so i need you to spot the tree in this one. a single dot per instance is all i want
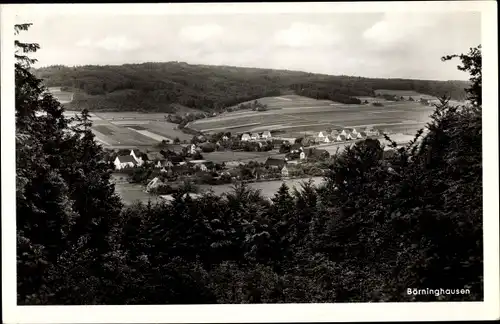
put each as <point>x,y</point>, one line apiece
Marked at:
<point>177,140</point>
<point>472,64</point>
<point>65,203</point>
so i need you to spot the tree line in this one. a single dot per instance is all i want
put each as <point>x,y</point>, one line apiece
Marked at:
<point>157,87</point>
<point>375,228</point>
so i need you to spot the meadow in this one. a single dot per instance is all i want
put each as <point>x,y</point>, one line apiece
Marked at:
<point>132,128</point>
<point>292,114</point>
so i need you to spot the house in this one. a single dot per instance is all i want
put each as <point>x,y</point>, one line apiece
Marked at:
<point>321,135</point>
<point>245,137</point>
<point>340,138</point>
<point>350,136</point>
<point>199,164</point>
<point>233,164</point>
<point>124,161</point>
<point>225,138</point>
<point>361,135</point>
<point>192,149</point>
<point>171,198</point>
<point>329,139</point>
<point>295,148</point>
<point>255,136</point>
<point>352,131</point>
<point>275,163</point>
<point>335,133</point>
<point>266,135</point>
<point>164,164</point>
<point>153,184</point>
<point>284,171</point>
<point>302,155</point>
<point>154,157</point>
<point>344,132</point>
<point>137,157</point>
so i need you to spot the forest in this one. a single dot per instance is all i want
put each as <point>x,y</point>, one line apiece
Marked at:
<point>156,87</point>
<point>377,227</point>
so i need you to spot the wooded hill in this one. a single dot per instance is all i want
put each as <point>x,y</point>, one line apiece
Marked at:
<point>154,87</point>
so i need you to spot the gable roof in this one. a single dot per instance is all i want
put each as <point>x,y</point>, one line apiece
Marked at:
<point>126,159</point>
<point>267,133</point>
<point>342,137</point>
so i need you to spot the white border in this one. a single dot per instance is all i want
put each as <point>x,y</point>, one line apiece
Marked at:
<point>256,313</point>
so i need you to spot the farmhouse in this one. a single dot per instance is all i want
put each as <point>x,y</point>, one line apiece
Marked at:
<point>335,133</point>
<point>295,148</point>
<point>171,198</point>
<point>153,157</point>
<point>233,164</point>
<point>137,157</point>
<point>245,137</point>
<point>266,135</point>
<point>340,138</point>
<point>321,135</point>
<point>164,164</point>
<point>353,131</point>
<point>199,164</point>
<point>124,161</point>
<point>255,136</point>
<point>284,171</point>
<point>275,163</point>
<point>329,139</point>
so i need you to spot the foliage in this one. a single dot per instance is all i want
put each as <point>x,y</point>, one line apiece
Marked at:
<point>178,88</point>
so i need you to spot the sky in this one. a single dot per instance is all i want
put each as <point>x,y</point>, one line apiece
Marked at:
<point>375,44</point>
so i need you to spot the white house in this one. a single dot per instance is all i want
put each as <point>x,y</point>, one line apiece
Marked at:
<point>255,136</point>
<point>302,155</point>
<point>192,149</point>
<point>350,136</point>
<point>329,139</point>
<point>245,137</point>
<point>225,138</point>
<point>340,138</point>
<point>266,135</point>
<point>124,161</point>
<point>284,171</point>
<point>165,164</point>
<point>353,131</point>
<point>321,135</point>
<point>344,133</point>
<point>138,159</point>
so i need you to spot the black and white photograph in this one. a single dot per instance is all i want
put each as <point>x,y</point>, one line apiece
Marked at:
<point>250,162</point>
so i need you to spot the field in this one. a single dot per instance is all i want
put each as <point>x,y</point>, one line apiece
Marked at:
<point>129,129</point>
<point>224,156</point>
<point>292,115</point>
<point>62,96</point>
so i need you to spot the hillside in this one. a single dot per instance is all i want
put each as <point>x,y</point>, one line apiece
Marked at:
<point>154,87</point>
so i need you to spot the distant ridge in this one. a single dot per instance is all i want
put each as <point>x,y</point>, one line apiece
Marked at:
<point>154,87</point>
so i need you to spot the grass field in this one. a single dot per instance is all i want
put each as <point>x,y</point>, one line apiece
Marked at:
<point>132,128</point>
<point>224,156</point>
<point>296,114</point>
<point>62,96</point>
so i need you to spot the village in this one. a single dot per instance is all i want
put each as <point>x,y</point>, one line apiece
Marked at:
<point>166,167</point>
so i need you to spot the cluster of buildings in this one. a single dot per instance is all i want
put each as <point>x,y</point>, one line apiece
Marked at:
<point>342,135</point>
<point>158,159</point>
<point>256,136</point>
